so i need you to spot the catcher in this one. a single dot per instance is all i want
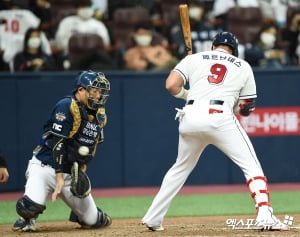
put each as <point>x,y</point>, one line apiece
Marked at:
<point>59,162</point>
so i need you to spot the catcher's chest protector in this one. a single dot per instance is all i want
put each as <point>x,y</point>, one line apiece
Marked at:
<point>86,132</point>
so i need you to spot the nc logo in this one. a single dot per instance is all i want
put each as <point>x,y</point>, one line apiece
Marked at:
<point>57,127</point>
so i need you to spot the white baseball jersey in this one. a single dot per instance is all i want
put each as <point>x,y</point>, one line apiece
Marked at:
<point>17,22</point>
<point>74,24</point>
<point>217,75</point>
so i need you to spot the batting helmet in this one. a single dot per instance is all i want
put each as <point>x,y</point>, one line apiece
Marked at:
<point>229,39</point>
<point>90,79</point>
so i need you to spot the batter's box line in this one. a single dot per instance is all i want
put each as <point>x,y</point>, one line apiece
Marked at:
<point>215,227</point>
<point>295,227</point>
<point>221,226</point>
<point>257,229</point>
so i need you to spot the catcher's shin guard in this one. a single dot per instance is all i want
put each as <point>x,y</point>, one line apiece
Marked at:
<point>259,191</point>
<point>102,220</point>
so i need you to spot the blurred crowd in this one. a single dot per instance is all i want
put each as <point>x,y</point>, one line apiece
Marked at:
<point>140,35</point>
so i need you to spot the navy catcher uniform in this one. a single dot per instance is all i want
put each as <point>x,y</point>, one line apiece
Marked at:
<point>76,121</point>
<point>221,85</point>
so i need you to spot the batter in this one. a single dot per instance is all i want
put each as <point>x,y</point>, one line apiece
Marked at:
<point>221,85</point>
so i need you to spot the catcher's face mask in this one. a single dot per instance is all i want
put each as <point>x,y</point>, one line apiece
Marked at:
<point>98,92</point>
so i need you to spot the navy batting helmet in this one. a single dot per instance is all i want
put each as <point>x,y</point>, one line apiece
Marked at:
<point>90,79</point>
<point>229,39</point>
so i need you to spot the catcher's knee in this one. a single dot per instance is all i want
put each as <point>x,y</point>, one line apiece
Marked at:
<point>27,208</point>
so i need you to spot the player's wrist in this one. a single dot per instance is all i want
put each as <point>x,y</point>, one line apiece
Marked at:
<point>182,94</point>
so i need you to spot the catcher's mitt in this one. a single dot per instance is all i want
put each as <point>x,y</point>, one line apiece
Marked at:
<point>80,183</point>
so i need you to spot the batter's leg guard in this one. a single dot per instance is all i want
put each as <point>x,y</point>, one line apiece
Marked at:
<point>259,191</point>
<point>265,219</point>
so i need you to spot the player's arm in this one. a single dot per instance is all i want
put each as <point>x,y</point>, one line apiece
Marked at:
<point>247,97</point>
<point>245,106</point>
<point>60,125</point>
<point>174,84</point>
<point>57,145</point>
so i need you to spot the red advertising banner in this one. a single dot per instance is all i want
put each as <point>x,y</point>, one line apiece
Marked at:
<point>272,121</point>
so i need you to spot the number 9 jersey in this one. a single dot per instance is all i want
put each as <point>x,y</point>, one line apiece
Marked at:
<point>217,75</point>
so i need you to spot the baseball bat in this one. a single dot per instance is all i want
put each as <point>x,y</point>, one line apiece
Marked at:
<point>185,27</point>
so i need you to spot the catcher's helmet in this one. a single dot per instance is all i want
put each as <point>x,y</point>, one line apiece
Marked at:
<point>229,39</point>
<point>90,79</point>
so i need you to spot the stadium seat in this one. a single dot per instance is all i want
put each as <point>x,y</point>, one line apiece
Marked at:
<point>124,21</point>
<point>244,22</point>
<point>170,11</point>
<point>81,44</point>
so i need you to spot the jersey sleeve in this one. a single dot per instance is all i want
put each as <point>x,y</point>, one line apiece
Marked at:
<point>63,32</point>
<point>58,128</point>
<point>103,33</point>
<point>61,119</point>
<point>249,89</point>
<point>182,68</point>
<point>32,20</point>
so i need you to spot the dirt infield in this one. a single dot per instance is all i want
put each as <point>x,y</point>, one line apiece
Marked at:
<point>181,226</point>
